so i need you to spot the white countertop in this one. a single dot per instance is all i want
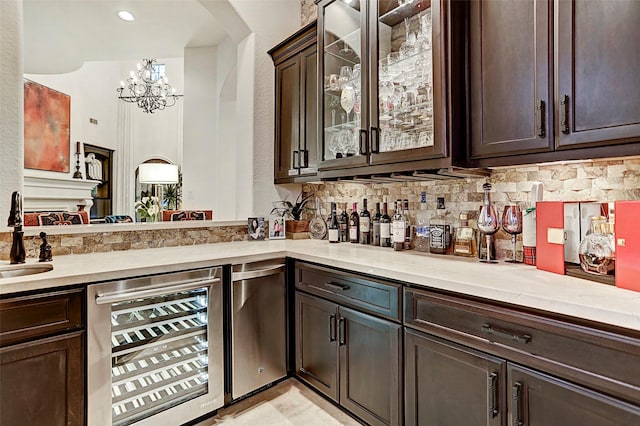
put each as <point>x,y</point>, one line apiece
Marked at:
<point>515,284</point>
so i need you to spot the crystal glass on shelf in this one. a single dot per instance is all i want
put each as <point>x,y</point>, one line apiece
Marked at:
<point>512,224</point>
<point>347,100</point>
<point>488,221</point>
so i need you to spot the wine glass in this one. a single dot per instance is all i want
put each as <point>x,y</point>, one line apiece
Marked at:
<point>347,99</point>
<point>488,225</point>
<point>512,224</point>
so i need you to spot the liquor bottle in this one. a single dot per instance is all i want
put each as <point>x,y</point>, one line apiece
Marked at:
<point>422,225</point>
<point>354,225</point>
<point>439,230</point>
<point>398,224</point>
<point>343,220</point>
<point>385,227</point>
<point>465,242</point>
<point>375,236</point>
<point>408,237</point>
<point>334,226</point>
<point>365,224</point>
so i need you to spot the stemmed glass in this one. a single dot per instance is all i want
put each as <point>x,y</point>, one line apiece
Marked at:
<point>347,99</point>
<point>488,225</point>
<point>512,224</point>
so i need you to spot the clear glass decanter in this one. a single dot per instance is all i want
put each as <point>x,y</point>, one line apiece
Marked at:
<point>596,253</point>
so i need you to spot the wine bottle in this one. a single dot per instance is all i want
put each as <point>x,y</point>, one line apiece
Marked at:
<point>398,224</point>
<point>365,224</point>
<point>334,226</point>
<point>354,225</point>
<point>343,220</point>
<point>385,227</point>
<point>408,237</point>
<point>375,236</point>
<point>422,225</point>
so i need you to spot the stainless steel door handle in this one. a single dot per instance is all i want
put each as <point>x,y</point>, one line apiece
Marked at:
<point>248,275</point>
<point>103,299</point>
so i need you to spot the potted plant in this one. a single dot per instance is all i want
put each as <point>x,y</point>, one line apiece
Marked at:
<point>293,212</point>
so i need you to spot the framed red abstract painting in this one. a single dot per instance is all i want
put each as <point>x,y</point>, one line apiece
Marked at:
<point>47,117</point>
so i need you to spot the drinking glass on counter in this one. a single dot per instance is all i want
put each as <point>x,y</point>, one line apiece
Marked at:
<point>512,224</point>
<point>488,221</point>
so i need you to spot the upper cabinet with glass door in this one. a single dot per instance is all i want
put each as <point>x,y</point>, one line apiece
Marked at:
<point>392,101</point>
<point>342,41</point>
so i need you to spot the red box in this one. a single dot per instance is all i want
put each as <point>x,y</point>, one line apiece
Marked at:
<point>627,230</point>
<point>560,226</point>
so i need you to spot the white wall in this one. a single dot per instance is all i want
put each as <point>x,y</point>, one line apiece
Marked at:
<point>11,107</point>
<point>200,158</point>
<point>270,22</point>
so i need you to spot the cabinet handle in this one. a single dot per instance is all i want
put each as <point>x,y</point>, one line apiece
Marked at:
<point>296,159</point>
<point>337,286</point>
<point>506,334</point>
<point>363,142</point>
<point>492,389</point>
<point>517,404</point>
<point>540,118</point>
<point>375,145</point>
<point>332,328</point>
<point>564,115</point>
<point>305,158</point>
<point>341,331</point>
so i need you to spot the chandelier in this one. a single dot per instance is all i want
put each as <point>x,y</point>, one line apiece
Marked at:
<point>147,88</point>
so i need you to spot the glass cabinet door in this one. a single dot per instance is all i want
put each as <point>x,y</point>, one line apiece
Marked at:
<point>403,111</point>
<point>344,96</point>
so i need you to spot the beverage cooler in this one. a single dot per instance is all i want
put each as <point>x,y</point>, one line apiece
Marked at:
<point>155,348</point>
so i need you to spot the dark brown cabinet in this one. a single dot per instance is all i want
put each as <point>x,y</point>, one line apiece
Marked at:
<point>350,354</point>
<point>511,91</point>
<point>449,384</point>
<point>352,357</point>
<point>539,399</point>
<point>598,58</point>
<point>296,80</point>
<point>42,359</point>
<point>549,77</point>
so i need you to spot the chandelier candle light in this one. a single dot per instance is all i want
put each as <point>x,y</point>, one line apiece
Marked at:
<point>146,89</point>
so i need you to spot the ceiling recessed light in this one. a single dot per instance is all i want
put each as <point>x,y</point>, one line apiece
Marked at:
<point>126,16</point>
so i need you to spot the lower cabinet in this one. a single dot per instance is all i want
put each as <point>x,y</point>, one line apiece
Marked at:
<point>42,359</point>
<point>539,399</point>
<point>352,357</point>
<point>449,384</point>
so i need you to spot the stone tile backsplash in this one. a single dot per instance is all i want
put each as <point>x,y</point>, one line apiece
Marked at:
<point>309,11</point>
<point>125,240</point>
<point>597,180</point>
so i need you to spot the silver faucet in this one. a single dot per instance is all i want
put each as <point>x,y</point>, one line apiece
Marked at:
<point>18,253</point>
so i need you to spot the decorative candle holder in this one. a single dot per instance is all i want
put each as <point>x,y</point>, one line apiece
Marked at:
<point>77,174</point>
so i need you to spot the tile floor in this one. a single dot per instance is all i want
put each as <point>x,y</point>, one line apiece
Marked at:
<point>289,403</point>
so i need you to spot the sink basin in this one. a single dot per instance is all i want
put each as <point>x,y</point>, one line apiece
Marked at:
<point>8,271</point>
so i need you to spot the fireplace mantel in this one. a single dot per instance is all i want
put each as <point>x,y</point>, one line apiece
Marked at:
<point>52,194</point>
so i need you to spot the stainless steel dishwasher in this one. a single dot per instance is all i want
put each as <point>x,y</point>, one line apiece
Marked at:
<point>258,329</point>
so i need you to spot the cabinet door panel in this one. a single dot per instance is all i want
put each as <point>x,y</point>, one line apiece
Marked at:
<point>41,382</point>
<point>598,60</point>
<point>510,77</point>
<point>448,384</point>
<point>288,116</point>
<point>316,344</point>
<point>370,369</point>
<point>309,111</point>
<point>540,400</point>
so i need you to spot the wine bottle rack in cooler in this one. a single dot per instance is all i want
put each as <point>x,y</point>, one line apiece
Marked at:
<point>159,353</point>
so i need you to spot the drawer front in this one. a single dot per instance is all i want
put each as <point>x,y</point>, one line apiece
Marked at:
<point>363,293</point>
<point>27,317</point>
<point>600,354</point>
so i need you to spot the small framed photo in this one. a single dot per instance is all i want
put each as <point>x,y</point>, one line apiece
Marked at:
<point>256,228</point>
<point>276,227</point>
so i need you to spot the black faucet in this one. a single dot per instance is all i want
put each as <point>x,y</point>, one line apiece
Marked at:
<point>18,253</point>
